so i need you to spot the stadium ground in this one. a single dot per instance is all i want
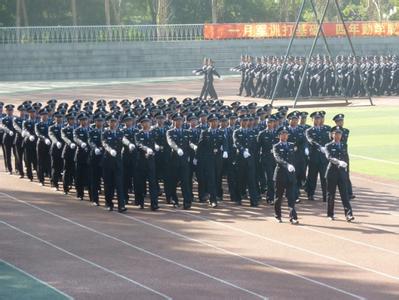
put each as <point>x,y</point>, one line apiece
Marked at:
<point>65,247</point>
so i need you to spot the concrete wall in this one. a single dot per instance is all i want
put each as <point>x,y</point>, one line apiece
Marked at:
<point>151,59</point>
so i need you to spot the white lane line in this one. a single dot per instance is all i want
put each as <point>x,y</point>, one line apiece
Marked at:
<point>85,260</point>
<point>249,233</point>
<point>37,279</point>
<point>243,257</point>
<point>375,159</point>
<point>137,247</point>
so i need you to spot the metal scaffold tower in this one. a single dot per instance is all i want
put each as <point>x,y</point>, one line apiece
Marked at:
<point>320,31</point>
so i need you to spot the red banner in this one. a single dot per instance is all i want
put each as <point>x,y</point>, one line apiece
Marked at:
<point>284,30</point>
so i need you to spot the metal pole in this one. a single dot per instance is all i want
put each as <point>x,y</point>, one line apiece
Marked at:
<point>348,37</point>
<point>325,43</point>
<point>310,54</point>
<point>288,50</point>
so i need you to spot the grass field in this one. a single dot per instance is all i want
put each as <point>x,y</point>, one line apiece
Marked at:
<point>373,139</point>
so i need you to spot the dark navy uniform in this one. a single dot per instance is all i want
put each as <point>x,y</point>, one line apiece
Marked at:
<point>18,143</point>
<point>129,159</point>
<point>194,139</point>
<point>68,154</point>
<point>232,167</point>
<point>29,145</point>
<point>162,155</point>
<point>285,180</point>
<point>337,175</point>
<point>56,153</point>
<point>145,143</point>
<point>81,139</point>
<point>266,139</point>
<point>298,138</point>
<point>8,140</point>
<point>245,140</point>
<point>42,150</point>
<point>212,144</point>
<point>179,139</point>
<point>317,137</point>
<point>113,168</point>
<point>95,160</point>
<point>2,115</point>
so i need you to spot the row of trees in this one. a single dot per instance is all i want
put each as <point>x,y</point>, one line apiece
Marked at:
<point>103,12</point>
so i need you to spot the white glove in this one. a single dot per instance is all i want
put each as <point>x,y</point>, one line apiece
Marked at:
<point>47,141</point>
<point>323,149</point>
<point>194,71</point>
<point>156,147</point>
<point>59,145</point>
<point>307,151</point>
<point>113,152</point>
<point>290,168</point>
<point>195,161</point>
<point>73,146</point>
<point>246,153</point>
<point>194,147</point>
<point>220,78</point>
<point>83,145</point>
<point>180,152</point>
<point>225,154</point>
<point>31,138</point>
<point>11,133</point>
<point>131,147</point>
<point>97,151</point>
<point>150,151</point>
<point>342,164</point>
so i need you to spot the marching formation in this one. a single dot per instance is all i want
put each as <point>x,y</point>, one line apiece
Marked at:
<point>345,76</point>
<point>148,148</point>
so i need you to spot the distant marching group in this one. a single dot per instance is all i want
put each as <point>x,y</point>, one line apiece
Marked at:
<point>346,76</point>
<point>133,146</point>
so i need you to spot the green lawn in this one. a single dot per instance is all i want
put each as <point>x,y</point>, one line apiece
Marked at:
<point>16,284</point>
<point>374,134</point>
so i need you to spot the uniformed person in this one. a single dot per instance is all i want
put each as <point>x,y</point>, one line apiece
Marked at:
<point>29,142</point>
<point>161,156</point>
<point>129,153</point>
<point>317,136</point>
<point>68,152</point>
<point>213,146</point>
<point>81,139</point>
<point>18,141</point>
<point>95,157</point>
<point>245,141</point>
<point>337,174</point>
<point>43,146</point>
<point>56,149</point>
<point>339,121</point>
<point>112,141</point>
<point>179,142</point>
<point>8,136</point>
<point>298,138</point>
<point>284,175</point>
<point>145,143</point>
<point>2,115</point>
<point>266,139</point>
